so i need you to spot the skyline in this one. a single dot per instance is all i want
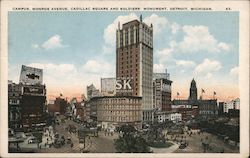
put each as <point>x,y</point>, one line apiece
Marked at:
<point>177,38</point>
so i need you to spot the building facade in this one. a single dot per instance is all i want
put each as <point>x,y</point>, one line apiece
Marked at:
<point>58,106</point>
<point>114,111</point>
<point>194,107</point>
<point>162,92</point>
<point>233,104</point>
<point>33,106</point>
<point>92,92</point>
<point>14,104</point>
<point>134,59</point>
<point>163,116</point>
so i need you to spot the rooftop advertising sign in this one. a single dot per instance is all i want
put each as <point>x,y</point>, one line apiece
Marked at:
<point>31,76</point>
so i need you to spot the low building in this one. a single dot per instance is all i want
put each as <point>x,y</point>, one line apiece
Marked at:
<point>193,108</point>
<point>163,116</point>
<point>92,92</point>
<point>233,104</point>
<point>221,108</point>
<point>113,111</point>
<point>58,106</point>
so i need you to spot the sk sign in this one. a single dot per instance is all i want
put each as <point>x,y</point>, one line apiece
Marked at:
<point>124,85</point>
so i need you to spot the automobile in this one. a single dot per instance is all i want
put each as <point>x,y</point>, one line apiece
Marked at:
<point>32,140</point>
<point>28,134</point>
<point>58,143</point>
<point>183,145</point>
<point>69,140</point>
<point>56,135</point>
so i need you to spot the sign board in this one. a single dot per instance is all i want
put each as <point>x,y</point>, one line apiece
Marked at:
<point>31,76</point>
<point>108,86</point>
<point>33,91</point>
<point>124,84</point>
<point>166,87</point>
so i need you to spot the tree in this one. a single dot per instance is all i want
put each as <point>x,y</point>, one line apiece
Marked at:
<point>130,141</point>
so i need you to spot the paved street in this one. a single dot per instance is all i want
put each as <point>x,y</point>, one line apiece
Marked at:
<point>100,144</point>
<point>104,143</point>
<point>195,144</point>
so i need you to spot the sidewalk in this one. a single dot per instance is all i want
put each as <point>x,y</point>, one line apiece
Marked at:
<point>170,149</point>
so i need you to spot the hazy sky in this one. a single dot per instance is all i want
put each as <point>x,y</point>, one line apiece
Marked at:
<point>76,49</point>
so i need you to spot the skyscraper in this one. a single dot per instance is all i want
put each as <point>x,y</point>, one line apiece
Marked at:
<point>193,91</point>
<point>134,59</point>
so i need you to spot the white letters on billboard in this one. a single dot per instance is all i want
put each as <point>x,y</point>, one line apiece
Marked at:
<point>124,85</point>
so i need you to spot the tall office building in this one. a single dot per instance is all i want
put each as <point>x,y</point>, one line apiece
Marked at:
<point>162,91</point>
<point>134,60</point>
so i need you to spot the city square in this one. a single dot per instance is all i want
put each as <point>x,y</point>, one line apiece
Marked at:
<point>136,108</point>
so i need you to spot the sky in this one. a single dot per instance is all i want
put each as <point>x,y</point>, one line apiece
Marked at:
<point>76,49</point>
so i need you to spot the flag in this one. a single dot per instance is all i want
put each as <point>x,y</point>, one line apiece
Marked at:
<point>202,91</point>
<point>178,93</point>
<point>214,93</point>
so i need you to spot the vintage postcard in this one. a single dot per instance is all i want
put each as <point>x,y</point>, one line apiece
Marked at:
<point>111,78</point>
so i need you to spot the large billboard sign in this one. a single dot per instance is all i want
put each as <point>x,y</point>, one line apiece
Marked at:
<point>124,84</point>
<point>108,86</point>
<point>31,76</point>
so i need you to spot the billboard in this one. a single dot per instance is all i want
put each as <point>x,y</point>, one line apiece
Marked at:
<point>36,91</point>
<point>108,86</point>
<point>31,76</point>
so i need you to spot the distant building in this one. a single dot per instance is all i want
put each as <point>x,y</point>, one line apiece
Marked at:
<point>114,111</point>
<point>221,108</point>
<point>14,104</point>
<point>233,104</point>
<point>162,92</point>
<point>108,86</point>
<point>193,91</point>
<point>163,116</point>
<point>165,75</point>
<point>58,106</point>
<point>185,108</point>
<point>80,111</point>
<point>92,92</point>
<point>204,108</point>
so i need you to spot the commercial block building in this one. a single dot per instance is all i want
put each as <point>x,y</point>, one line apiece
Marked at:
<point>114,111</point>
<point>233,104</point>
<point>14,104</point>
<point>162,91</point>
<point>27,100</point>
<point>194,107</point>
<point>92,91</point>
<point>134,59</point>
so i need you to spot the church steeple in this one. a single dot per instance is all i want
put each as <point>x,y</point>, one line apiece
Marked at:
<point>193,91</point>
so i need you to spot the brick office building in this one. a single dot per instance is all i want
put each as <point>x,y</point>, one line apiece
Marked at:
<point>134,59</point>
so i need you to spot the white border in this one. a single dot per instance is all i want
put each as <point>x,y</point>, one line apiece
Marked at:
<point>241,6</point>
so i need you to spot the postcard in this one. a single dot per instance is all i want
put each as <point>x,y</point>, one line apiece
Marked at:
<point>124,78</point>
